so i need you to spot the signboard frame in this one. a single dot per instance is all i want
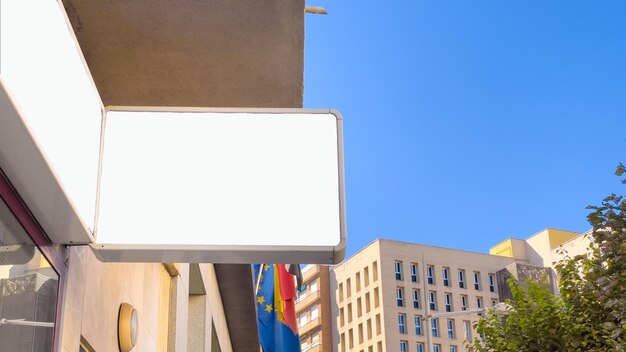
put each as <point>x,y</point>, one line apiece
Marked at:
<point>232,253</point>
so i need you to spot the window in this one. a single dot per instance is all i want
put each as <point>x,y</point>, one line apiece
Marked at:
<point>450,323</point>
<point>369,329</point>
<point>375,271</point>
<point>398,269</point>
<point>463,302</point>
<point>402,323</point>
<point>376,298</point>
<point>420,347</point>
<point>400,296</point>
<point>349,312</point>
<point>462,278</point>
<point>29,281</point>
<point>436,348</point>
<point>360,333</point>
<point>448,301</point>
<point>476,281</point>
<point>404,346</point>
<point>479,302</point>
<point>446,276</point>
<point>418,325</point>
<point>413,272</point>
<point>359,310</point>
<point>302,319</point>
<point>358,282</point>
<point>366,276</point>
<point>314,312</point>
<point>340,292</point>
<point>377,324</point>
<point>435,327</point>
<point>453,349</point>
<point>342,342</point>
<point>467,330</point>
<point>315,338</point>
<point>341,322</point>
<point>350,339</point>
<point>416,299</point>
<point>348,289</point>
<point>430,272</point>
<point>432,300</point>
<point>367,303</point>
<point>492,283</point>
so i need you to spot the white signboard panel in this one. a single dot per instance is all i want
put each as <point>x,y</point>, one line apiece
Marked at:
<point>221,186</point>
<point>49,91</point>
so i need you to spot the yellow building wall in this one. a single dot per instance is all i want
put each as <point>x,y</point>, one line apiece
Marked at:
<point>558,237</point>
<point>503,249</point>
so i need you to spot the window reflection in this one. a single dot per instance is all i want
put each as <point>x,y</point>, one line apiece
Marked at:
<point>28,290</point>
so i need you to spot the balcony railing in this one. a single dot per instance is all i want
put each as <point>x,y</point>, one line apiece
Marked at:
<point>303,296</point>
<point>307,326</point>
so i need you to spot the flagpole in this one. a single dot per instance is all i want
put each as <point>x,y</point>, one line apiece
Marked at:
<point>258,280</point>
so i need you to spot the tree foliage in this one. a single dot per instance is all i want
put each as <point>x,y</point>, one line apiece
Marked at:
<point>533,321</point>
<point>594,285</point>
<point>589,314</point>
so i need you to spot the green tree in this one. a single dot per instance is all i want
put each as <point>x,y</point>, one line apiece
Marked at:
<point>589,314</point>
<point>594,285</point>
<point>534,320</point>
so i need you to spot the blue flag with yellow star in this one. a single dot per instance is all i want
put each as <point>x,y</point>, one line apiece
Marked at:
<point>276,315</point>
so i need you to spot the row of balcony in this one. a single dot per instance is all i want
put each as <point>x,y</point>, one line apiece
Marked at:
<point>306,299</point>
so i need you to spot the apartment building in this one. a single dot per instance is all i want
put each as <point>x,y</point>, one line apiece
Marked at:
<point>385,294</point>
<point>399,296</point>
<point>313,310</point>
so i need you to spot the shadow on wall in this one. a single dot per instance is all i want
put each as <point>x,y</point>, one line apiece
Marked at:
<point>522,272</point>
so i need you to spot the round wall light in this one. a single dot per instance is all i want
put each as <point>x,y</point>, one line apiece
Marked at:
<point>127,327</point>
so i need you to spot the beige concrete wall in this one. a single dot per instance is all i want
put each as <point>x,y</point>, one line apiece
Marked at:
<point>94,293</point>
<point>575,246</point>
<point>439,258</point>
<point>95,290</point>
<point>216,308</point>
<point>518,248</point>
<point>340,302</point>
<point>539,247</point>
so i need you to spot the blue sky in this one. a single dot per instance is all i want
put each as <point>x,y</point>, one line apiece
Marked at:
<point>467,122</point>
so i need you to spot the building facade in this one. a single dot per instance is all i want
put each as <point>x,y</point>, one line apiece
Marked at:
<point>313,310</point>
<point>398,296</point>
<point>537,255</point>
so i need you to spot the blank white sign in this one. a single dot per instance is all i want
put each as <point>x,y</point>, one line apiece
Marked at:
<point>221,179</point>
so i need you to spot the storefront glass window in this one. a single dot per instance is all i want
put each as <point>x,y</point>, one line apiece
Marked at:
<point>28,290</point>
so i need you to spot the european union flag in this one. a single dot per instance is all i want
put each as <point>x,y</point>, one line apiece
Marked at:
<point>276,312</point>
